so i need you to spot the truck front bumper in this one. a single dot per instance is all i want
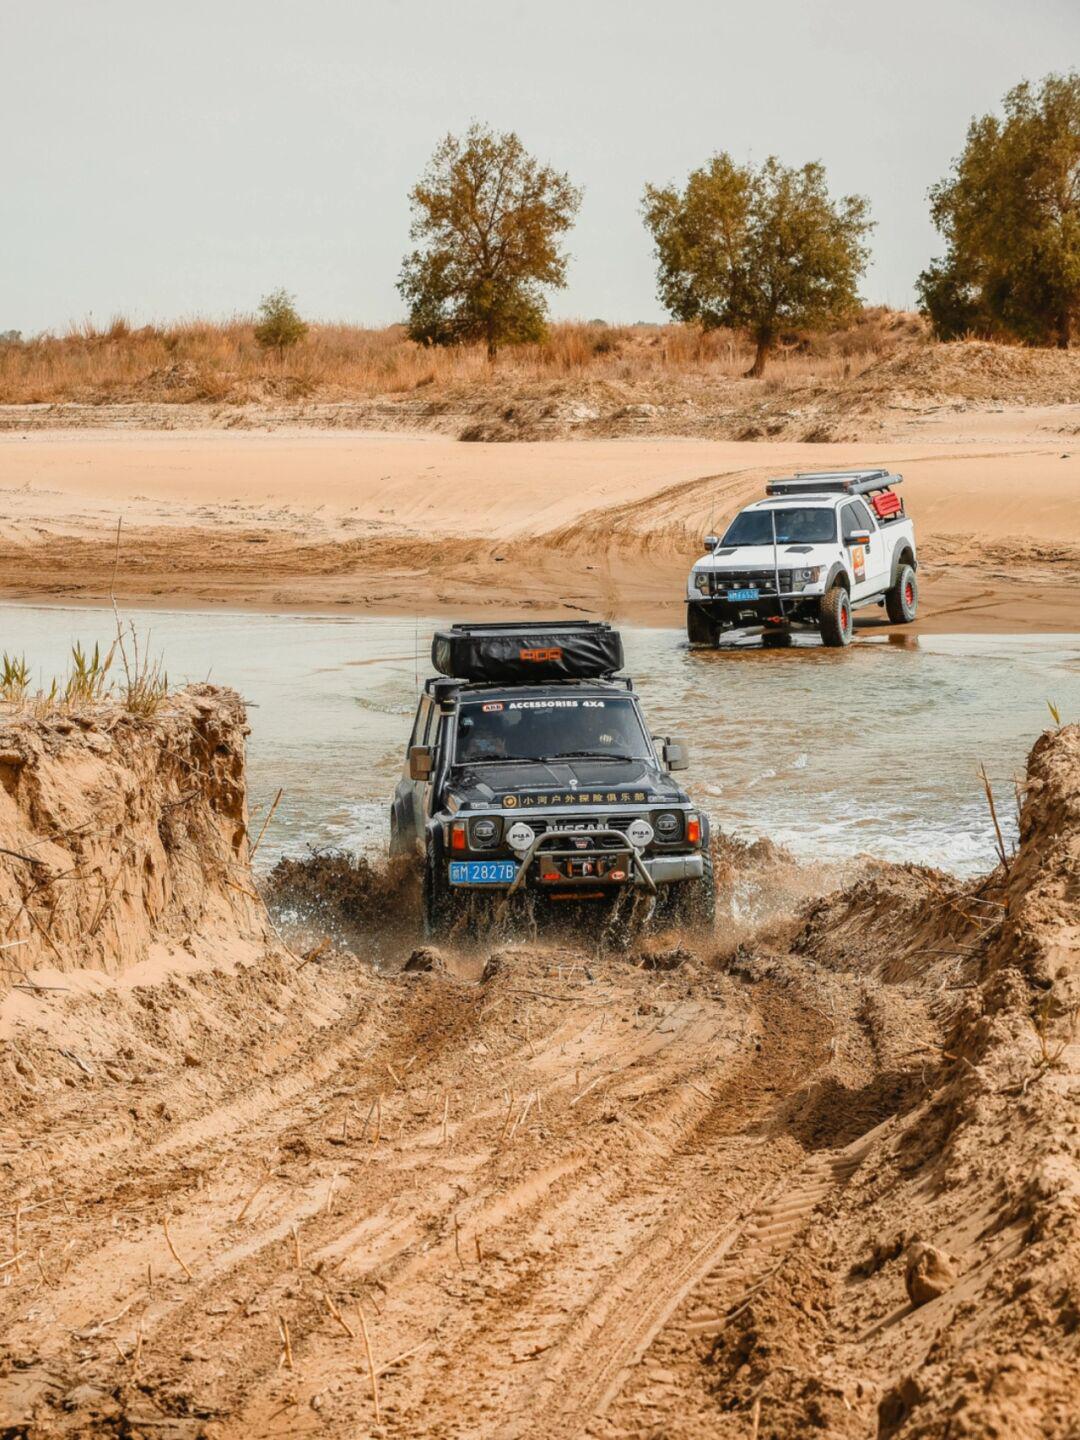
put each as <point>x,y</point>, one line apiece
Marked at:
<point>554,861</point>
<point>732,614</point>
<point>666,868</point>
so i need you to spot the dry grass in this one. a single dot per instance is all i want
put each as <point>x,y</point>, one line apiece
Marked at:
<point>221,363</point>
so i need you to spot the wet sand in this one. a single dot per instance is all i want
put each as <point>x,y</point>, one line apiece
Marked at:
<point>407,523</point>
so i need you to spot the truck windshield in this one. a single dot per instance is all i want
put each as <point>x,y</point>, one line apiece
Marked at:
<point>805,525</point>
<point>550,729</point>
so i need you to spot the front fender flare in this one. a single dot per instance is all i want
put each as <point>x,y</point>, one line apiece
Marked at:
<point>838,575</point>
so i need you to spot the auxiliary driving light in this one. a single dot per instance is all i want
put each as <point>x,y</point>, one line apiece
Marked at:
<point>639,833</point>
<point>520,836</point>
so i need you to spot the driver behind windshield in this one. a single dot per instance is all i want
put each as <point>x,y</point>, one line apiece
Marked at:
<point>815,525</point>
<point>541,730</point>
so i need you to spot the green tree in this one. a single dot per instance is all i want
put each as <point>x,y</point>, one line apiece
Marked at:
<point>487,219</point>
<point>1010,215</point>
<point>762,249</point>
<point>280,326</point>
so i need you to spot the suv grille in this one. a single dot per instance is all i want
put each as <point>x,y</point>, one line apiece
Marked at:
<point>721,581</point>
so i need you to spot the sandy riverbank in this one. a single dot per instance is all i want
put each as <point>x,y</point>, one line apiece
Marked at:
<point>395,523</point>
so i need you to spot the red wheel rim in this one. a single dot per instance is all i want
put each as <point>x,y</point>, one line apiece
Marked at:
<point>844,616</point>
<point>909,595</point>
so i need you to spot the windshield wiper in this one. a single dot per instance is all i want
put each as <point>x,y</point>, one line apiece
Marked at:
<point>592,755</point>
<point>505,760</point>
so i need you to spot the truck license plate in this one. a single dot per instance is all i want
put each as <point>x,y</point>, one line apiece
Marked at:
<point>483,872</point>
<point>744,594</point>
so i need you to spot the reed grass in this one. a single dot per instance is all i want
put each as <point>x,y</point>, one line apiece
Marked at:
<point>222,363</point>
<point>91,681</point>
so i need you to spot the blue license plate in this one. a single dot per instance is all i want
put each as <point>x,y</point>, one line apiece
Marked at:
<point>744,594</point>
<point>483,872</point>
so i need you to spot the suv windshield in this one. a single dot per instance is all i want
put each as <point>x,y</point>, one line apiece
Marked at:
<point>806,525</point>
<point>550,729</point>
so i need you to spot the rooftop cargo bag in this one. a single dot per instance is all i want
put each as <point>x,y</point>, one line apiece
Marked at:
<point>524,653</point>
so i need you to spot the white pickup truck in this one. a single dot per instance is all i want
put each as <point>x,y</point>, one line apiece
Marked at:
<point>817,548</point>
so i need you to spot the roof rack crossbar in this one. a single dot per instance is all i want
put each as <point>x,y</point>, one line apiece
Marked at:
<point>826,482</point>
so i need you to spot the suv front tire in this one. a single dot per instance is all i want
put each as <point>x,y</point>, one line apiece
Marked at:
<point>834,620</point>
<point>700,629</point>
<point>438,901</point>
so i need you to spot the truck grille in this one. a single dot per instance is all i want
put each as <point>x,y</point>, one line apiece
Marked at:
<point>721,581</point>
<point>568,822</point>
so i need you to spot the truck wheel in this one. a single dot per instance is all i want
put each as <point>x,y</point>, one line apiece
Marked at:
<point>690,904</point>
<point>902,600</point>
<point>700,630</point>
<point>437,900</point>
<point>834,619</point>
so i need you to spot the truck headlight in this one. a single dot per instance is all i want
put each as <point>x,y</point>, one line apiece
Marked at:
<point>701,581</point>
<point>484,832</point>
<point>808,577</point>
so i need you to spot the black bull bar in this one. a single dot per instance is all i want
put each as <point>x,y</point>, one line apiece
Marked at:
<point>613,845</point>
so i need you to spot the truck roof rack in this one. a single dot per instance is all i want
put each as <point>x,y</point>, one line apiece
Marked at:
<point>528,652</point>
<point>831,482</point>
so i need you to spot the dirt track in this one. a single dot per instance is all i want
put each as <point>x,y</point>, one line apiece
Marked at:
<point>612,1139</point>
<point>669,1192</point>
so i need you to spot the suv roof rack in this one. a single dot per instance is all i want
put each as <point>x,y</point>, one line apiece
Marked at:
<point>503,627</point>
<point>523,652</point>
<point>844,482</point>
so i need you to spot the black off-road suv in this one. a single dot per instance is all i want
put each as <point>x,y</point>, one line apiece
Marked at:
<point>530,770</point>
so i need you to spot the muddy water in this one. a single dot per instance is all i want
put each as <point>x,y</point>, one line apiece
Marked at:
<point>874,749</point>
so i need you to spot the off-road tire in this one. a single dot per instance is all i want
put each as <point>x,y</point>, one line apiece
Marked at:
<point>700,630</point>
<point>834,619</point>
<point>689,904</point>
<point>776,639</point>
<point>902,600</point>
<point>438,903</point>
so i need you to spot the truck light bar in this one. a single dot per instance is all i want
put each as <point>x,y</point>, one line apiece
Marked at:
<point>844,482</point>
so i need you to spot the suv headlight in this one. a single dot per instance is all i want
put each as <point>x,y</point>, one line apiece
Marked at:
<point>701,581</point>
<point>808,577</point>
<point>668,825</point>
<point>483,833</point>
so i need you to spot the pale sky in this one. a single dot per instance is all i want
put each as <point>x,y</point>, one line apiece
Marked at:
<point>164,160</point>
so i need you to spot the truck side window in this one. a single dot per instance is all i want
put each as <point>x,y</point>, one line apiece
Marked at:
<point>866,520</point>
<point>849,522</point>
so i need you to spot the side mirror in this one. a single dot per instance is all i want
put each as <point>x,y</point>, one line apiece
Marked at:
<point>420,762</point>
<point>676,756</point>
<point>711,542</point>
<point>858,537</point>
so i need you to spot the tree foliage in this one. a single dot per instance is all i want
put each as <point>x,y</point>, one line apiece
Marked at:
<point>487,219</point>
<point>763,249</point>
<point>280,325</point>
<point>1010,214</point>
